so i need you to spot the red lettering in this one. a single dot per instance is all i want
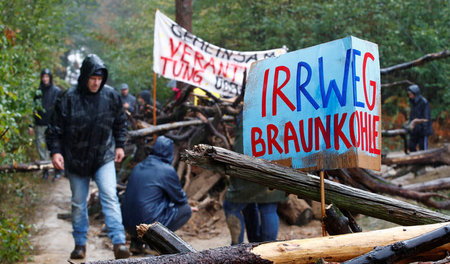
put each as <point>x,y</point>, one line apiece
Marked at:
<point>310,135</point>
<point>277,89</point>
<point>223,70</point>
<point>165,63</point>
<point>256,141</point>
<point>211,65</point>
<point>352,129</point>
<point>172,49</point>
<point>338,131</point>
<point>272,139</point>
<point>264,95</point>
<point>372,83</point>
<point>198,58</point>
<point>370,134</point>
<point>318,125</point>
<point>375,135</point>
<point>363,129</point>
<point>290,134</point>
<point>186,52</point>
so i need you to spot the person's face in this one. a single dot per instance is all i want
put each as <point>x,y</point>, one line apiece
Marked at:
<point>45,79</point>
<point>410,95</point>
<point>94,83</point>
<point>141,100</point>
<point>124,92</point>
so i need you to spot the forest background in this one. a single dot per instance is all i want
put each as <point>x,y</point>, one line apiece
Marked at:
<point>37,34</point>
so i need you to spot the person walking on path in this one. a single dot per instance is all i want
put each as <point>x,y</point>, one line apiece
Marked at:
<point>86,135</point>
<point>420,109</point>
<point>44,101</point>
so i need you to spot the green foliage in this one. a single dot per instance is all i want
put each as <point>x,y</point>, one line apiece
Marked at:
<point>31,38</point>
<point>14,242</point>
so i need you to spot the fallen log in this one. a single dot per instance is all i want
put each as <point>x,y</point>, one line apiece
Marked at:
<point>417,62</point>
<point>403,251</point>
<point>335,221</point>
<point>331,248</point>
<point>233,254</point>
<point>165,127</point>
<point>434,185</point>
<point>162,240</point>
<point>431,156</point>
<point>345,247</point>
<point>33,166</point>
<point>307,186</point>
<point>363,178</point>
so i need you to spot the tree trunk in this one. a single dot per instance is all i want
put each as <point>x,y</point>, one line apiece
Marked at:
<point>165,127</point>
<point>38,165</point>
<point>162,240</point>
<point>308,186</point>
<point>345,247</point>
<point>431,156</point>
<point>305,251</point>
<point>404,250</point>
<point>434,185</point>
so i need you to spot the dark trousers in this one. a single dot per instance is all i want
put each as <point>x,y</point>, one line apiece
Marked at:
<point>422,141</point>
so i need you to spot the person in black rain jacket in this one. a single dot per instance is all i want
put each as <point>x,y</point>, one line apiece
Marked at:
<point>420,109</point>
<point>86,135</point>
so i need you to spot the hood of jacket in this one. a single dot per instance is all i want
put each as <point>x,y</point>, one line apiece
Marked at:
<point>49,73</point>
<point>91,64</point>
<point>163,148</point>
<point>416,91</point>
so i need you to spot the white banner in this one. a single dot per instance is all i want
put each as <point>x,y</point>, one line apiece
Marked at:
<point>182,56</point>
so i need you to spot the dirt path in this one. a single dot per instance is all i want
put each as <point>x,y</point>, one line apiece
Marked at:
<point>53,241</point>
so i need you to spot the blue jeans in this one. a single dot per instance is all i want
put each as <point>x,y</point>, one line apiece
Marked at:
<point>260,220</point>
<point>105,178</point>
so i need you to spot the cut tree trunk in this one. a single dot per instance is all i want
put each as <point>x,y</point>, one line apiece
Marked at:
<point>431,156</point>
<point>37,165</point>
<point>170,126</point>
<point>363,178</point>
<point>345,247</point>
<point>295,211</point>
<point>308,186</point>
<point>305,251</point>
<point>336,223</point>
<point>162,240</point>
<point>434,185</point>
<point>403,251</point>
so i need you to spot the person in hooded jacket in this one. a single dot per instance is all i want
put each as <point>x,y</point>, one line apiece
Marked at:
<point>154,193</point>
<point>86,135</point>
<point>44,101</point>
<point>420,109</point>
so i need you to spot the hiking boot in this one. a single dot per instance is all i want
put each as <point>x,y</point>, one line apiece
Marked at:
<point>121,251</point>
<point>79,252</point>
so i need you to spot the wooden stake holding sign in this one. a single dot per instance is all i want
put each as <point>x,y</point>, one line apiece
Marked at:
<point>317,108</point>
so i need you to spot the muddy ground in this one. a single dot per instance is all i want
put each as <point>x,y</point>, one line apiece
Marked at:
<point>52,239</point>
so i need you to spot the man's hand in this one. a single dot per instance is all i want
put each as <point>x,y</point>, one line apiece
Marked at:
<point>126,105</point>
<point>120,154</point>
<point>58,161</point>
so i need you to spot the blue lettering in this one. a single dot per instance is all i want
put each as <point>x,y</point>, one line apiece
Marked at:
<point>301,87</point>
<point>355,79</point>
<point>342,98</point>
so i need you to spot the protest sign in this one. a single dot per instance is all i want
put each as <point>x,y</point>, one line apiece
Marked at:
<point>316,108</point>
<point>182,56</point>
